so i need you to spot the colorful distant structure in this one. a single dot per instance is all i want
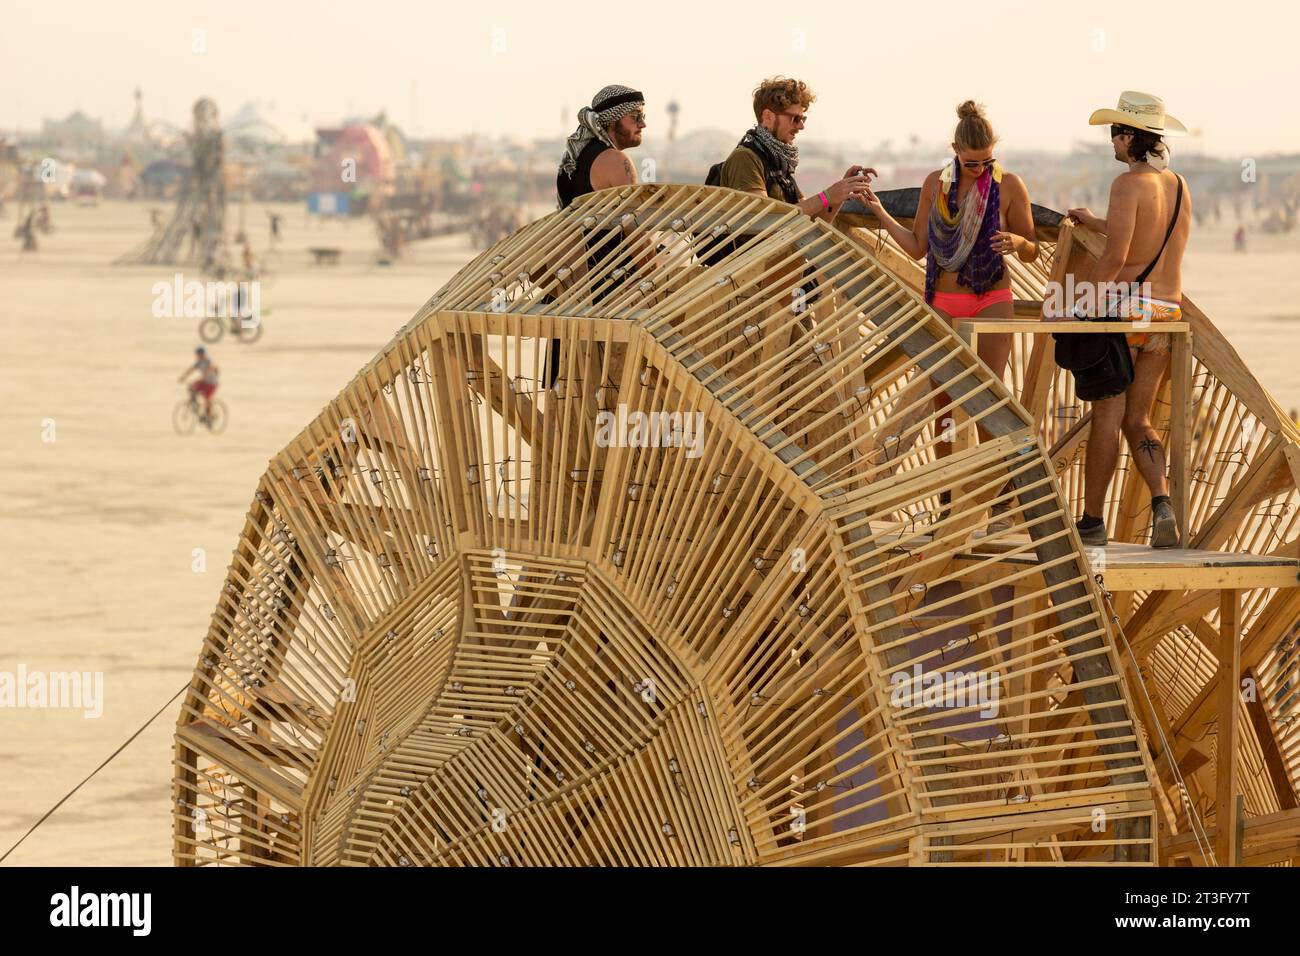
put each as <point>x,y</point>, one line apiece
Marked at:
<point>356,164</point>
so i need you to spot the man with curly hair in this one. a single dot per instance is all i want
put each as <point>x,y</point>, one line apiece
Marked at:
<point>765,159</point>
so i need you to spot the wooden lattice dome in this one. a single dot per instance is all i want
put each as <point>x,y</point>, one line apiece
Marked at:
<point>496,605</point>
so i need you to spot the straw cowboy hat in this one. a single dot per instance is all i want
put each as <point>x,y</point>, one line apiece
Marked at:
<point>1141,111</point>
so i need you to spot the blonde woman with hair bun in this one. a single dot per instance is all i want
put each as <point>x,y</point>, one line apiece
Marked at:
<point>971,214</point>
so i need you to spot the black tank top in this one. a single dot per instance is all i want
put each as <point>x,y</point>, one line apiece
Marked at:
<point>570,189</point>
<point>601,242</point>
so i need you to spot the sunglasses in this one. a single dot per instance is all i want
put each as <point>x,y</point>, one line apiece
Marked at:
<point>637,117</point>
<point>979,163</point>
<point>1120,131</point>
<point>798,118</point>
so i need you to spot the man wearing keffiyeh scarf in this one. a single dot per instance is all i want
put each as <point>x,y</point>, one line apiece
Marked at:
<point>594,159</point>
<point>593,155</point>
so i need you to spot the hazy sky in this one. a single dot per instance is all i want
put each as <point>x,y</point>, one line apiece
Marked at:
<point>881,70</point>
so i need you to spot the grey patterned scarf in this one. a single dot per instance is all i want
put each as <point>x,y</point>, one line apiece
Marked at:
<point>785,157</point>
<point>608,106</point>
<point>779,160</point>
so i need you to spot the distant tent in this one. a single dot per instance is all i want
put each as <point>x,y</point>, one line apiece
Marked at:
<point>88,179</point>
<point>260,125</point>
<point>164,172</point>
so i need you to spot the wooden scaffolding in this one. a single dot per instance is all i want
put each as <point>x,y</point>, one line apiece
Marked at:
<point>629,550</point>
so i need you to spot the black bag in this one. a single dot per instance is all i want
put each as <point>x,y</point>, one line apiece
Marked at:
<point>1102,364</point>
<point>713,250</point>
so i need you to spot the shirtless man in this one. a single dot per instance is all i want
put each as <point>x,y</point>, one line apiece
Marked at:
<point>1143,202</point>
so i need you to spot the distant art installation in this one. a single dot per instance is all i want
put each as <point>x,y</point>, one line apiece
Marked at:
<point>196,231</point>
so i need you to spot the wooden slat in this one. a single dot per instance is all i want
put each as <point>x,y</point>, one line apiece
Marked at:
<point>206,740</point>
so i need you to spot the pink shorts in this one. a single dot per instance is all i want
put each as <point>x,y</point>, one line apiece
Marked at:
<point>963,305</point>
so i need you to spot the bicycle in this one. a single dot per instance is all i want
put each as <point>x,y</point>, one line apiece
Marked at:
<point>223,307</point>
<point>189,413</point>
<point>213,328</point>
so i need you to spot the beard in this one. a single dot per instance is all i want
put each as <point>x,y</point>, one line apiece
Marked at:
<point>626,140</point>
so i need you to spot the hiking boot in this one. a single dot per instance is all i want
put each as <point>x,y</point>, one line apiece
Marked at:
<point>1164,526</point>
<point>1094,537</point>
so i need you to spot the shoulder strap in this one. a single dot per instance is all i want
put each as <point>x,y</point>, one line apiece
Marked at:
<point>1173,220</point>
<point>770,176</point>
<point>785,184</point>
<point>760,154</point>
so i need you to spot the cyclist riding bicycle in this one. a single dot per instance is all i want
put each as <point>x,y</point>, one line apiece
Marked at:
<point>206,384</point>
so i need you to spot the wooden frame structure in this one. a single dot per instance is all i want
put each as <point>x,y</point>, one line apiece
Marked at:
<point>629,550</point>
<point>1234,466</point>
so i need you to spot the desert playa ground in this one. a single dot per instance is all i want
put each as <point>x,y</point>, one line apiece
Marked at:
<point>100,525</point>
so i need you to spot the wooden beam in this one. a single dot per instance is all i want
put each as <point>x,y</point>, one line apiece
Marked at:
<point>1268,745</point>
<point>1180,425</point>
<point>210,741</point>
<point>1282,608</point>
<point>1225,773</point>
<point>1265,833</point>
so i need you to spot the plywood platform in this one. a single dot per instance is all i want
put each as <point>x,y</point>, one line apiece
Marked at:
<point>1137,567</point>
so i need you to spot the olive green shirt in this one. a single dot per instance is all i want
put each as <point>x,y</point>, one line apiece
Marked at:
<point>743,170</point>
